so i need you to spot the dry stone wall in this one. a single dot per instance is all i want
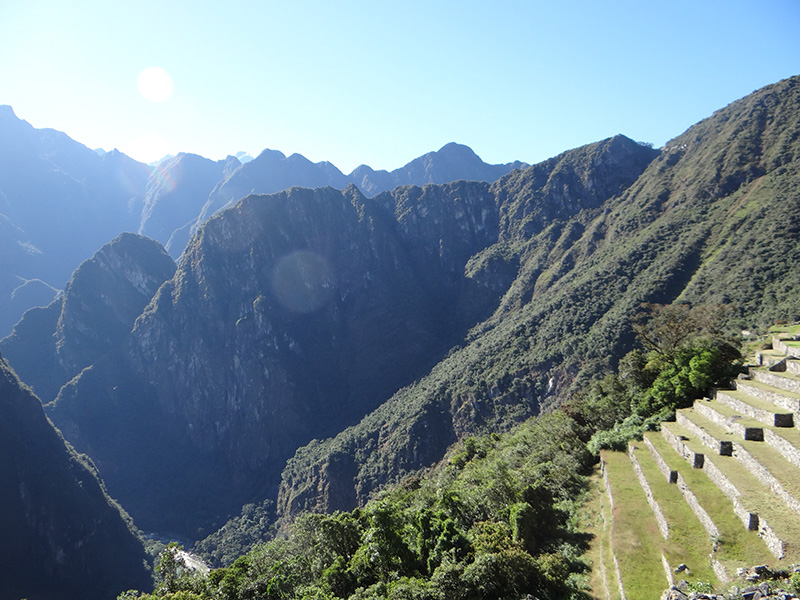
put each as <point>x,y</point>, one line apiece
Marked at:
<point>663,526</point>
<point>748,477</point>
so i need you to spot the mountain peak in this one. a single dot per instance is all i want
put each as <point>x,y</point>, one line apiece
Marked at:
<point>453,148</point>
<point>7,112</point>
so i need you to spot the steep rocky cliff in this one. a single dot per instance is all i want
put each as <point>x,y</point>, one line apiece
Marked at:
<point>51,345</point>
<point>713,218</point>
<point>272,171</point>
<point>176,192</point>
<point>62,536</point>
<point>289,318</point>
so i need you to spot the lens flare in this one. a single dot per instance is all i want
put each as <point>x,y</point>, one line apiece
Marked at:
<point>166,182</point>
<point>303,281</point>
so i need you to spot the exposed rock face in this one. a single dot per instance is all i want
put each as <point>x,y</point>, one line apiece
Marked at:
<point>62,537</point>
<point>272,172</point>
<point>176,192</point>
<point>51,345</point>
<point>289,318</point>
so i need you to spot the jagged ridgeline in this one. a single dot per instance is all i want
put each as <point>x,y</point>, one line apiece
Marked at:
<point>60,201</point>
<point>470,306</point>
<point>62,536</point>
<point>290,317</point>
<point>715,217</point>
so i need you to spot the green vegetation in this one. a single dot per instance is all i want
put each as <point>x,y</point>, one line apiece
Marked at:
<point>496,522</point>
<point>635,535</point>
<point>688,354</point>
<point>503,518</point>
<point>793,329</point>
<point>712,220</point>
<point>688,541</point>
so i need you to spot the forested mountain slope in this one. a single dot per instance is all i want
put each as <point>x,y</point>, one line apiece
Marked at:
<point>62,536</point>
<point>289,318</point>
<point>470,305</point>
<point>714,218</point>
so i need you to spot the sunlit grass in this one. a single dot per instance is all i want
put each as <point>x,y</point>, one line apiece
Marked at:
<point>636,539</point>
<point>736,546</point>
<point>790,329</point>
<point>688,542</point>
<point>755,498</point>
<point>595,519</point>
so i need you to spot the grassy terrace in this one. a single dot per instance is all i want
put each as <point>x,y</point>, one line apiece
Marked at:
<point>688,541</point>
<point>791,435</point>
<point>752,383</point>
<point>736,547</point>
<point>793,329</point>
<point>636,538</point>
<point>718,431</point>
<point>755,497</point>
<point>788,376</point>
<point>595,519</point>
<point>785,472</point>
<point>755,402</point>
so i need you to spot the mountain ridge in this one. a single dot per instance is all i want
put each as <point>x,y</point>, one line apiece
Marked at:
<point>281,301</point>
<point>60,201</point>
<point>63,537</point>
<point>424,315</point>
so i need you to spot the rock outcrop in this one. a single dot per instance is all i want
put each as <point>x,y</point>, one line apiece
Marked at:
<point>90,321</point>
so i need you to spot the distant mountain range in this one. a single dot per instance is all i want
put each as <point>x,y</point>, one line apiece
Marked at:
<point>60,201</point>
<point>313,346</point>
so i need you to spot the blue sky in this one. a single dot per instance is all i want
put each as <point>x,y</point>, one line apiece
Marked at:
<point>381,83</point>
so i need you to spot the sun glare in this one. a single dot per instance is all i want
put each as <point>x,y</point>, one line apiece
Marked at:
<point>148,148</point>
<point>155,84</point>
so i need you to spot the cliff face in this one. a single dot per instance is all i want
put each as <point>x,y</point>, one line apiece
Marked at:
<point>62,537</point>
<point>90,321</point>
<point>289,318</point>
<point>177,189</point>
<point>713,218</point>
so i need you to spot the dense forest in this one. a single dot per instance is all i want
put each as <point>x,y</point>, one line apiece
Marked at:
<point>334,394</point>
<point>501,517</point>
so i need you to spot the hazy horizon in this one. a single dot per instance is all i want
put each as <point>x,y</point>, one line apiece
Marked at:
<point>381,84</point>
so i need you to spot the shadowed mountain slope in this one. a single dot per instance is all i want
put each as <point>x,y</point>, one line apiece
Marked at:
<point>51,345</point>
<point>272,172</point>
<point>59,202</point>
<point>289,318</point>
<point>176,192</point>
<point>62,536</point>
<point>713,218</point>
